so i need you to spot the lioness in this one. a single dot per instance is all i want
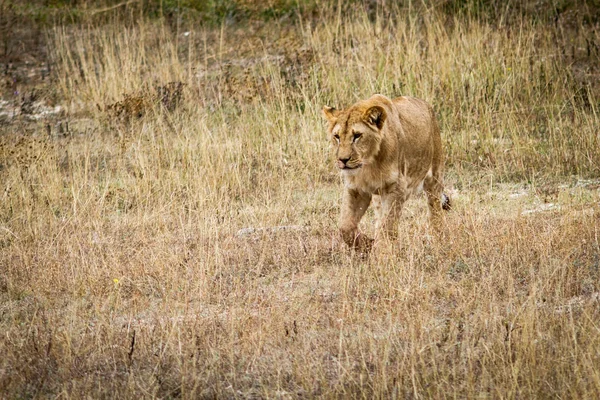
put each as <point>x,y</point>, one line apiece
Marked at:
<point>385,148</point>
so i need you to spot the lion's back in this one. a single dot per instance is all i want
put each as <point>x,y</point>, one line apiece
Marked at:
<point>417,119</point>
<point>414,112</point>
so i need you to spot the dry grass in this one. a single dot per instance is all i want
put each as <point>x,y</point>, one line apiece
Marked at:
<point>123,275</point>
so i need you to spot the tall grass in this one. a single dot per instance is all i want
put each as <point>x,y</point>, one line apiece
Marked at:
<point>123,273</point>
<point>509,96</point>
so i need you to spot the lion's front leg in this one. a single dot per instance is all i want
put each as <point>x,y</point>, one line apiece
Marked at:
<point>391,210</point>
<point>354,206</point>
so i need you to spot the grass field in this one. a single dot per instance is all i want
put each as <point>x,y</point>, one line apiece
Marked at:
<point>169,206</point>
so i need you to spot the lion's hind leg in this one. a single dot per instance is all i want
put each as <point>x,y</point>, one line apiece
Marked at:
<point>436,199</point>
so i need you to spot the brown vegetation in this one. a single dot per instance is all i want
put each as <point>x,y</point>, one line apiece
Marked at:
<point>122,273</point>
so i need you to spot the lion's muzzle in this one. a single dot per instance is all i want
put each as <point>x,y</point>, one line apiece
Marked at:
<point>347,164</point>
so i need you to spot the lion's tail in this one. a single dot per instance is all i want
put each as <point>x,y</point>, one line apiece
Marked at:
<point>446,203</point>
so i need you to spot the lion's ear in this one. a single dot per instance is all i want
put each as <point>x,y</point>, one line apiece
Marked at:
<point>375,116</point>
<point>330,113</point>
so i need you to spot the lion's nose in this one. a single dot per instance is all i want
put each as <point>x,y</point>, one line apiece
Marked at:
<point>344,160</point>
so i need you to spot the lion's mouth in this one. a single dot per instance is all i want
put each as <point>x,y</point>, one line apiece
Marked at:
<point>349,167</point>
<point>348,164</point>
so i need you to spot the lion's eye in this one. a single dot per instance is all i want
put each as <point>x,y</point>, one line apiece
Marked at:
<point>357,136</point>
<point>337,137</point>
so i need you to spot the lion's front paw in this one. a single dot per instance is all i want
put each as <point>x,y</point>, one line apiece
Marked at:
<point>356,240</point>
<point>363,244</point>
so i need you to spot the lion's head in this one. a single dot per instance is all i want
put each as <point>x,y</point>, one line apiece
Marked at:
<point>356,134</point>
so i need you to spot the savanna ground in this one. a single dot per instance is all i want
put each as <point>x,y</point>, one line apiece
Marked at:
<point>152,151</point>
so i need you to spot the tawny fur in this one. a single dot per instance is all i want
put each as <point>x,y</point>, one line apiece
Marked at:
<point>386,149</point>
